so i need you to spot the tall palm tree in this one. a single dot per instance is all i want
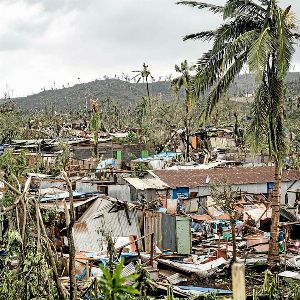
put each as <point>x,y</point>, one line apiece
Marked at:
<point>185,81</point>
<point>95,124</point>
<point>261,35</point>
<point>144,75</point>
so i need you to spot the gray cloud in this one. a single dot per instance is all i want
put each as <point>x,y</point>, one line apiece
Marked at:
<point>42,41</point>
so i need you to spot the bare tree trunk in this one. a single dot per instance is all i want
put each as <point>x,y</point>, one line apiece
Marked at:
<point>234,252</point>
<point>262,157</point>
<point>148,91</point>
<point>186,121</point>
<point>52,259</point>
<point>148,94</point>
<point>73,288</point>
<point>273,258</point>
<point>96,142</point>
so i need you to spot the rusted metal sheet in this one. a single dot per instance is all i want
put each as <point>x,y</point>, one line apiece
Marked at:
<point>152,224</point>
<point>236,175</point>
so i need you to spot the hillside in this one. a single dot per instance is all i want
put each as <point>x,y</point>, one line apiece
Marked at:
<point>76,97</point>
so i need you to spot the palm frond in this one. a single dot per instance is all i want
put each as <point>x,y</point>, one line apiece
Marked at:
<point>284,44</point>
<point>223,84</point>
<point>204,36</point>
<point>234,8</point>
<point>278,143</point>
<point>201,5</point>
<point>258,129</point>
<point>296,35</point>
<point>213,63</point>
<point>259,53</point>
<point>210,69</point>
<point>177,68</point>
<point>177,83</point>
<point>240,44</point>
<point>231,30</point>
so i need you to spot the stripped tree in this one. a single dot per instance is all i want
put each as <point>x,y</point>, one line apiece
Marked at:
<point>226,199</point>
<point>95,124</point>
<point>185,81</point>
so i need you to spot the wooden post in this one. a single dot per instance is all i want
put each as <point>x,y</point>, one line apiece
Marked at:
<point>70,223</point>
<point>238,281</point>
<point>286,239</point>
<point>152,248</point>
<point>227,248</point>
<point>219,243</point>
<point>52,259</point>
<point>87,266</point>
<point>137,249</point>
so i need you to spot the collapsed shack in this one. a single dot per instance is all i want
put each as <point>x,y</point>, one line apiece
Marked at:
<point>106,217</point>
<point>178,245</point>
<point>180,250</point>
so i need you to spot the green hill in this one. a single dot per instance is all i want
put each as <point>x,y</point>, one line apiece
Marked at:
<point>123,92</point>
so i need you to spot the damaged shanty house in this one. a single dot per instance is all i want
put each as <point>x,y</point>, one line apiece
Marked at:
<point>190,193</point>
<point>194,185</point>
<point>106,217</point>
<point>147,190</point>
<point>125,222</point>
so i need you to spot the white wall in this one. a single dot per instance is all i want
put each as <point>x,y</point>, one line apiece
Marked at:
<point>259,188</point>
<point>86,187</point>
<point>44,184</point>
<point>291,196</point>
<point>119,192</point>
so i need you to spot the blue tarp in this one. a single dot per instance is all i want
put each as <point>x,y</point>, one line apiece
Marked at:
<point>106,163</point>
<point>82,275</point>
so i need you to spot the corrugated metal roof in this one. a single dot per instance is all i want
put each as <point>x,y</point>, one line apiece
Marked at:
<point>50,191</point>
<point>234,175</point>
<point>98,221</point>
<point>147,183</point>
<point>62,195</point>
<point>59,205</point>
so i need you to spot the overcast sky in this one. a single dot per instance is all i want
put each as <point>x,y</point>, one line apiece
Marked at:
<point>42,41</point>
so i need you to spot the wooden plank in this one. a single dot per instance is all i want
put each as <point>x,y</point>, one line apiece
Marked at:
<point>238,281</point>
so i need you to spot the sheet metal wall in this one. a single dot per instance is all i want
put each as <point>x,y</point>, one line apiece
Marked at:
<point>119,192</point>
<point>90,231</point>
<point>169,232</point>
<point>164,228</point>
<point>183,235</point>
<point>153,224</point>
<point>86,187</point>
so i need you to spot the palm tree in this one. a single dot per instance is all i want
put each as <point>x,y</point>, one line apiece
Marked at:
<point>261,35</point>
<point>185,81</point>
<point>95,124</point>
<point>144,75</point>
